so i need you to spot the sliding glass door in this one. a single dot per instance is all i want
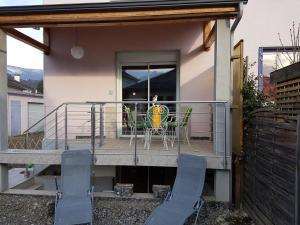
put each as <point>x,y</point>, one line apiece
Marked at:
<point>142,83</point>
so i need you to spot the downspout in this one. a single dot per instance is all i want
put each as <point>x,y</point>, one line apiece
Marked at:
<point>232,30</point>
<point>238,18</point>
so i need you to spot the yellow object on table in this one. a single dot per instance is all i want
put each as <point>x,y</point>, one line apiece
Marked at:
<point>156,117</point>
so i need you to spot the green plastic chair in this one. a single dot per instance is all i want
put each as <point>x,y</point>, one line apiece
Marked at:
<point>183,124</point>
<point>132,123</point>
<point>160,128</point>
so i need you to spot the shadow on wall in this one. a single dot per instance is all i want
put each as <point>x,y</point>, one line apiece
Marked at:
<point>200,88</point>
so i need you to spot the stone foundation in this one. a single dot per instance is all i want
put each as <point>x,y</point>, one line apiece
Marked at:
<point>123,190</point>
<point>160,191</point>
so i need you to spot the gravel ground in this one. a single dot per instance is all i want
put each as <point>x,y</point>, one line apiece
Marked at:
<point>39,210</point>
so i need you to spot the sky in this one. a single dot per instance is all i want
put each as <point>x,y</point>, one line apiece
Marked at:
<point>18,53</point>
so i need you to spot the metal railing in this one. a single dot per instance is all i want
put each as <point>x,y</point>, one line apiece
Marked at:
<point>105,126</point>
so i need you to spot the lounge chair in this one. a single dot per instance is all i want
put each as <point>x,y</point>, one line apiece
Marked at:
<point>74,198</point>
<point>185,198</point>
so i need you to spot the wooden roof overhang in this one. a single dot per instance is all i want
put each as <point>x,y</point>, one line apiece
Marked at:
<point>112,14</point>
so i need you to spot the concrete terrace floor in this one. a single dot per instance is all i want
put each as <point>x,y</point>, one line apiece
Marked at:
<point>196,146</point>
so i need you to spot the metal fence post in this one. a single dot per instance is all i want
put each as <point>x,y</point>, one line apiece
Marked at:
<point>66,127</point>
<point>56,131</point>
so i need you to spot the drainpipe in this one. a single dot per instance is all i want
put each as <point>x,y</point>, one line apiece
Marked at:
<point>232,30</point>
<point>239,17</point>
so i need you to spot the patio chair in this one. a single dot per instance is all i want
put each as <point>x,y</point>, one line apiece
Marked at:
<point>132,123</point>
<point>185,198</point>
<point>156,123</point>
<point>74,199</point>
<point>183,124</point>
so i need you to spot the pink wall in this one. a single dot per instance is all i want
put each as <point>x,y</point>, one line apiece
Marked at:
<point>94,77</point>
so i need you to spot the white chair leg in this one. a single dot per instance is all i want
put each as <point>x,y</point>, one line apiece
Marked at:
<point>146,137</point>
<point>165,139</point>
<point>187,135</point>
<point>149,140</point>
<point>131,136</point>
<point>173,133</point>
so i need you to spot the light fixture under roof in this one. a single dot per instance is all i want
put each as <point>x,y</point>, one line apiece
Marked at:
<point>77,51</point>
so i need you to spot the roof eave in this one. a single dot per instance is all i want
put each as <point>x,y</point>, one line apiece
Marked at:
<point>115,6</point>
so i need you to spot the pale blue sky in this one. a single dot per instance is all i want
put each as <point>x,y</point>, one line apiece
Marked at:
<point>18,53</point>
<point>20,2</point>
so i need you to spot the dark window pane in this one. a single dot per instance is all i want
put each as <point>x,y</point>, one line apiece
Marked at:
<point>163,84</point>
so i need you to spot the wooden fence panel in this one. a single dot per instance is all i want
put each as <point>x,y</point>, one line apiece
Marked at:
<point>269,178</point>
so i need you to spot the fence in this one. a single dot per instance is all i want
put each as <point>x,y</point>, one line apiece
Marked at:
<point>271,169</point>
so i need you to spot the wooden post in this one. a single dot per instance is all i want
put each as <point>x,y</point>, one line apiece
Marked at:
<point>237,119</point>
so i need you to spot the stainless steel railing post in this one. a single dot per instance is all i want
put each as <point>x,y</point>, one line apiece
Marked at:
<point>101,127</point>
<point>178,119</point>
<point>66,127</point>
<point>56,131</point>
<point>227,132</point>
<point>135,135</point>
<point>93,125</point>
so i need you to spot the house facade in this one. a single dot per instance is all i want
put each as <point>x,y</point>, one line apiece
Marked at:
<point>129,53</point>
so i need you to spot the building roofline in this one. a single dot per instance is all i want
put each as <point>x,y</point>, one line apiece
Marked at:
<point>24,94</point>
<point>17,85</point>
<point>113,6</point>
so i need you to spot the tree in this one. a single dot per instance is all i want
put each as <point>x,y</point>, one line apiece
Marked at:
<point>252,98</point>
<point>40,87</point>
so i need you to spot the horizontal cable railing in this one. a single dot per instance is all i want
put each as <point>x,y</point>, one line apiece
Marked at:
<point>133,127</point>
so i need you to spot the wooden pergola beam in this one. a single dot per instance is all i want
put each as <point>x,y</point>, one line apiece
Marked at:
<point>71,18</point>
<point>27,40</point>
<point>208,35</point>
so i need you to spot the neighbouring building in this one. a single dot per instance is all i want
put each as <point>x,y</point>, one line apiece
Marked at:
<point>25,106</point>
<point>260,36</point>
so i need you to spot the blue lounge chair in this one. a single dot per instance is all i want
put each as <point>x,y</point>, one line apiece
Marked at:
<point>185,198</point>
<point>74,198</point>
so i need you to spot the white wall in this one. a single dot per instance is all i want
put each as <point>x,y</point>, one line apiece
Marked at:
<point>261,22</point>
